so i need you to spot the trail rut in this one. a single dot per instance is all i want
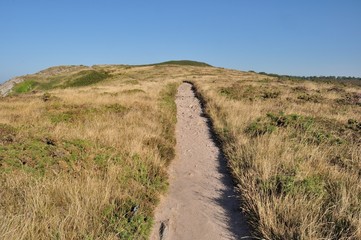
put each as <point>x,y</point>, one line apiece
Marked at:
<point>201,202</point>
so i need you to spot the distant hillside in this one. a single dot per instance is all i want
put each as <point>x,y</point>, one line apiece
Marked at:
<point>73,76</point>
<point>53,77</point>
<point>185,63</point>
<point>324,79</point>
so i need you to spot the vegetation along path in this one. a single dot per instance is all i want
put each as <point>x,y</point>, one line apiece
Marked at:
<point>201,201</point>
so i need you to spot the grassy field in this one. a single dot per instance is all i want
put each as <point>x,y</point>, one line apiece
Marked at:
<point>294,148</point>
<point>85,162</point>
<point>84,150</point>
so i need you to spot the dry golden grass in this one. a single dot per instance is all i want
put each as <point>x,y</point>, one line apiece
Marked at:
<point>90,163</point>
<point>86,163</point>
<point>294,148</point>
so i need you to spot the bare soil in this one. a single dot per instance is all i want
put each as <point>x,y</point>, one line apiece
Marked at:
<point>201,202</point>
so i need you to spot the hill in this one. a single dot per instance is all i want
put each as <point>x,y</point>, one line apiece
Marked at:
<point>184,63</point>
<point>72,76</point>
<point>84,150</point>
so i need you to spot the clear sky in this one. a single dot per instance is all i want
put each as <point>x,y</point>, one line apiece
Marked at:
<point>308,37</point>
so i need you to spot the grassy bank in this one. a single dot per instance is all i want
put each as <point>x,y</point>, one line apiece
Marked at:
<point>294,149</point>
<point>85,162</point>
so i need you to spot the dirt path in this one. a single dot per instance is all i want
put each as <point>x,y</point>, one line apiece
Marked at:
<point>201,202</point>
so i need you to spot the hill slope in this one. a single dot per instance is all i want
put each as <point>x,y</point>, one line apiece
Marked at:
<point>84,150</point>
<point>73,76</point>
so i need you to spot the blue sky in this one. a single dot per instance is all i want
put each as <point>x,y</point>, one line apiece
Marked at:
<point>306,37</point>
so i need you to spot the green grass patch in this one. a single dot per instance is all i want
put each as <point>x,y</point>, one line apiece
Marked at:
<point>274,121</point>
<point>126,218</point>
<point>283,184</point>
<point>58,112</point>
<point>44,155</point>
<point>50,83</point>
<point>80,79</point>
<point>86,78</point>
<point>25,86</point>
<point>62,117</point>
<point>168,98</point>
<point>311,129</point>
<point>40,155</point>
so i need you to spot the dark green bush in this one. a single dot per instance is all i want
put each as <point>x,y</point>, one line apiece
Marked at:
<point>310,98</point>
<point>273,121</point>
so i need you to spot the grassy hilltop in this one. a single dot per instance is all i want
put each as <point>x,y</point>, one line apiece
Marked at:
<point>84,150</point>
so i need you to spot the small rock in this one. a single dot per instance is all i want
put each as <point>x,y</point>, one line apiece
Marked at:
<point>163,229</point>
<point>50,141</point>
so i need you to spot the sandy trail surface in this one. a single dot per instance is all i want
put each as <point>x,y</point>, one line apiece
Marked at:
<point>201,202</point>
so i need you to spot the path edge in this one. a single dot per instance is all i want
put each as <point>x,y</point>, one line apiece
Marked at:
<point>219,143</point>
